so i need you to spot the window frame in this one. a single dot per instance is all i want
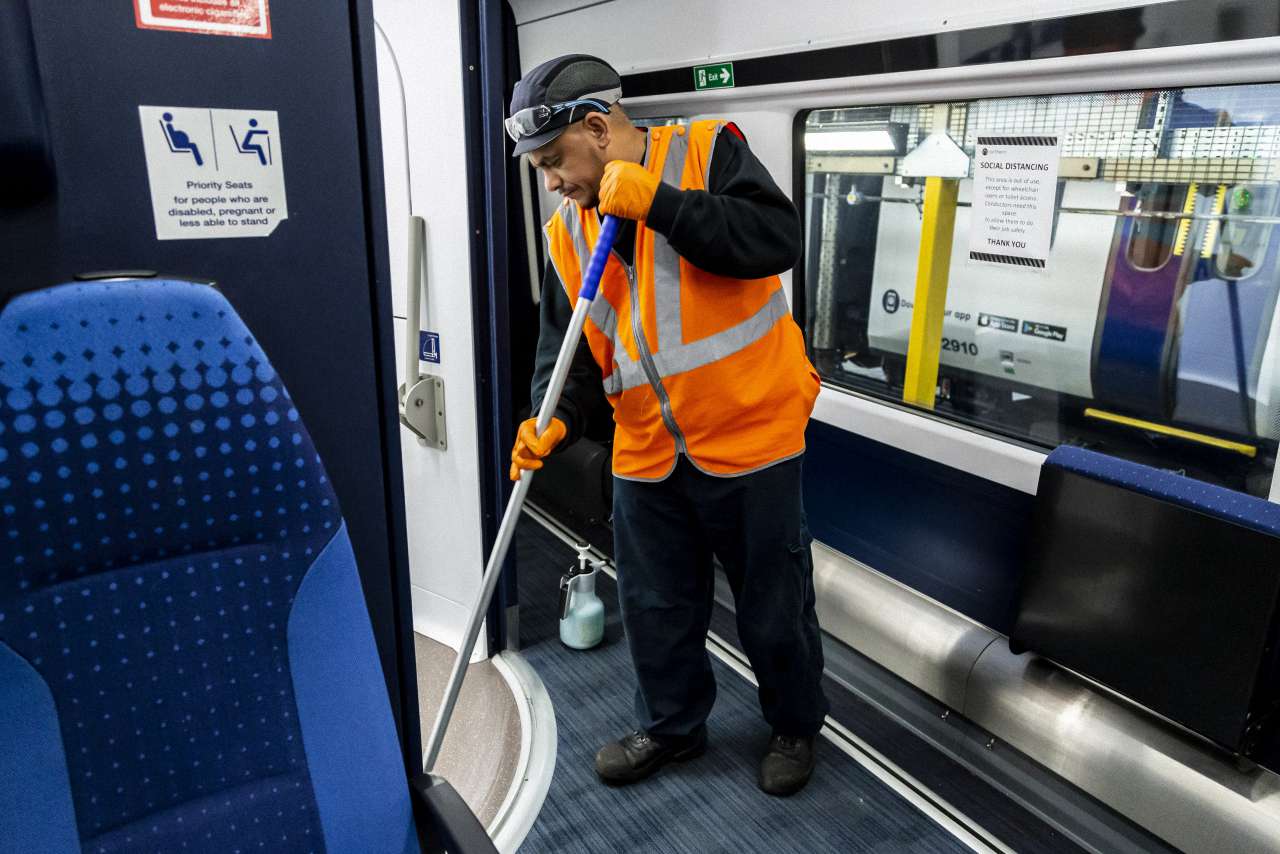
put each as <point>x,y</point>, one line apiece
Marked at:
<point>948,430</point>
<point>1019,445</point>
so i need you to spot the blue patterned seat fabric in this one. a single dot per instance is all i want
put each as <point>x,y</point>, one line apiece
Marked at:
<point>1219,502</point>
<point>186,662</point>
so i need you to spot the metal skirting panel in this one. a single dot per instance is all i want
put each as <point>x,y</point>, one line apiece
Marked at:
<point>1161,778</point>
<point>927,644</point>
<point>1165,780</point>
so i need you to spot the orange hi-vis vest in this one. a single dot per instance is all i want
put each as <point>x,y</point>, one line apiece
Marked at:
<point>693,363</point>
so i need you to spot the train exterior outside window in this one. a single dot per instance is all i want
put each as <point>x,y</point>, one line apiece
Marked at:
<point>1152,240</point>
<point>1151,334</point>
<point>1246,237</point>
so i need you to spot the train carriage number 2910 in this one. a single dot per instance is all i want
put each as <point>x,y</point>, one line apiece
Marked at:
<point>955,345</point>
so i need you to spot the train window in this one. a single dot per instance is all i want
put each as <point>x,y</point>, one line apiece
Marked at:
<point>1152,331</point>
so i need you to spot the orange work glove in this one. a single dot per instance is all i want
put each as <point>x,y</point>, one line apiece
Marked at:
<point>627,189</point>
<point>531,448</point>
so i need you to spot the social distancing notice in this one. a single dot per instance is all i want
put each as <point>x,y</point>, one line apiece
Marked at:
<point>214,172</point>
<point>1015,189</point>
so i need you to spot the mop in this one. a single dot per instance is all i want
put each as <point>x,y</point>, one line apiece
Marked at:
<point>506,531</point>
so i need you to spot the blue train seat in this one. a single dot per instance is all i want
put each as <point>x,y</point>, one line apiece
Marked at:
<point>1161,587</point>
<point>186,660</point>
<point>1210,499</point>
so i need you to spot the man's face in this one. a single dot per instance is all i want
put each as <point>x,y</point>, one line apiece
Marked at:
<point>572,165</point>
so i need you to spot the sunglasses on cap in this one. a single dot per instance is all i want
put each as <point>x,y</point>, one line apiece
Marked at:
<point>532,120</point>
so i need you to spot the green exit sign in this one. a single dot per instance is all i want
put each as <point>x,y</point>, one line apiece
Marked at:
<point>717,76</point>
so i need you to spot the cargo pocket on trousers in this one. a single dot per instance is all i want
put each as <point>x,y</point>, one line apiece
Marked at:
<point>801,556</point>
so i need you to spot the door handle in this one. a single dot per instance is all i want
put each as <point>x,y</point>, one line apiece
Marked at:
<point>422,395</point>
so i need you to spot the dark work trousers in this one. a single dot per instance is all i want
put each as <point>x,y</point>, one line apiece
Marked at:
<point>665,536</point>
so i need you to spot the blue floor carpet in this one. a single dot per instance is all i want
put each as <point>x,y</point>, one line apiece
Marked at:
<point>709,805</point>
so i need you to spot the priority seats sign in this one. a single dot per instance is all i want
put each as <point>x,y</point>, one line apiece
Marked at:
<point>214,172</point>
<point>246,18</point>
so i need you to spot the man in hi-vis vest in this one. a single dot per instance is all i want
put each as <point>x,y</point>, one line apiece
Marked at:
<point>693,340</point>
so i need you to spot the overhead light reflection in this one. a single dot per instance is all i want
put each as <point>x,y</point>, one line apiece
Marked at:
<point>878,141</point>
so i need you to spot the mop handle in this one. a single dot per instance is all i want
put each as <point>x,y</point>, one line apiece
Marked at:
<point>506,530</point>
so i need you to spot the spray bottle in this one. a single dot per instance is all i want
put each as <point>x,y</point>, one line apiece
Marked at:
<point>581,611</point>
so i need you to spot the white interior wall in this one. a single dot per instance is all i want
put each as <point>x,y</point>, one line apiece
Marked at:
<point>442,490</point>
<point>666,33</point>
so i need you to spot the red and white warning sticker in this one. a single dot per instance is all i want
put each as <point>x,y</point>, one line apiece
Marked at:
<point>248,18</point>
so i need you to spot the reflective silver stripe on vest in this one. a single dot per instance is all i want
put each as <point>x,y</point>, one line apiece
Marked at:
<point>574,225</point>
<point>673,356</point>
<point>604,317</point>
<point>666,263</point>
<point>602,313</point>
<point>688,357</point>
<point>626,372</point>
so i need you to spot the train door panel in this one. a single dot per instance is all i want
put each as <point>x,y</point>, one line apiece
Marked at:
<point>1131,367</point>
<point>1225,312</point>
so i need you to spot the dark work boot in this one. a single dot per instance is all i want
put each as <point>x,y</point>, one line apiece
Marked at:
<point>637,755</point>
<point>787,764</point>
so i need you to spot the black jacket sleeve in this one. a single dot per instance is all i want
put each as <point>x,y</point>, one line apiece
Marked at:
<point>583,382</point>
<point>741,226</point>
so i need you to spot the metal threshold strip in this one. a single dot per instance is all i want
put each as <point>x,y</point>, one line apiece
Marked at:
<point>966,830</point>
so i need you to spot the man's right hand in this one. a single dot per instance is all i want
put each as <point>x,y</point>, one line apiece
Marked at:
<point>531,448</point>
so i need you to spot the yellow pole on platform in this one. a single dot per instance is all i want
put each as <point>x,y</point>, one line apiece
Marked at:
<point>925,345</point>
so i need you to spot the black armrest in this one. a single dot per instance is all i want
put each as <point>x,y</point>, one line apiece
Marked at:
<point>445,822</point>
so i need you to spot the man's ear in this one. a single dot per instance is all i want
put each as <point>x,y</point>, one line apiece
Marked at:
<point>596,126</point>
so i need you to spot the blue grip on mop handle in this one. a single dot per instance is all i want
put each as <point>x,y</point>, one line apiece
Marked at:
<point>599,257</point>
